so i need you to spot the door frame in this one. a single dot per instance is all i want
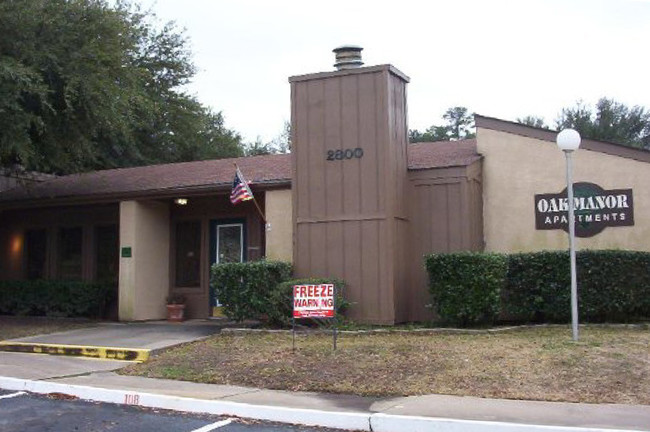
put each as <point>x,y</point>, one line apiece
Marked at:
<point>214,225</point>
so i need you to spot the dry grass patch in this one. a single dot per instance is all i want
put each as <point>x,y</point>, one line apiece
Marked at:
<point>607,365</point>
<point>12,327</point>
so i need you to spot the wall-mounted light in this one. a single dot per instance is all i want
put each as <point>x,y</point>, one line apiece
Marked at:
<point>180,201</point>
<point>16,245</point>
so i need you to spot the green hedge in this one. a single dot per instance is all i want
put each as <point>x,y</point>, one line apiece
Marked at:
<point>613,286</point>
<point>280,309</point>
<point>470,288</point>
<point>55,298</point>
<point>244,288</point>
<point>466,286</point>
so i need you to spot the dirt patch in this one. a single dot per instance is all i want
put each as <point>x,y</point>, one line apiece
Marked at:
<point>608,365</point>
<point>12,327</point>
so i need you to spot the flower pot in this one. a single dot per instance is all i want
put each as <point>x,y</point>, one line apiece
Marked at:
<point>175,312</point>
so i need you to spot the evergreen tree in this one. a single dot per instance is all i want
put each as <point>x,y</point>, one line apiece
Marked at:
<point>86,85</point>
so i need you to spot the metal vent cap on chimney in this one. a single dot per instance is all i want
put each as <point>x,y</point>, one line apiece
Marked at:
<point>348,57</point>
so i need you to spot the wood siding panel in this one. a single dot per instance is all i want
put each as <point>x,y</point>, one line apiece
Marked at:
<point>333,141</point>
<point>300,163</point>
<point>369,170</point>
<point>334,248</point>
<point>350,139</point>
<point>446,216</point>
<point>352,253</point>
<point>316,137</point>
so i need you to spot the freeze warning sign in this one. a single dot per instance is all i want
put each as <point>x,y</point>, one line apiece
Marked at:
<point>313,301</point>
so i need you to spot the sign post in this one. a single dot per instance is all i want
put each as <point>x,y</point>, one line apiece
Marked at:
<point>313,301</point>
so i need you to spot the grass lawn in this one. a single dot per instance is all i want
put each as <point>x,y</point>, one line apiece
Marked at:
<point>14,327</point>
<point>607,365</point>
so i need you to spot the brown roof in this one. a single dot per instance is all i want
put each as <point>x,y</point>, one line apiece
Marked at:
<point>174,178</point>
<point>207,176</point>
<point>442,154</point>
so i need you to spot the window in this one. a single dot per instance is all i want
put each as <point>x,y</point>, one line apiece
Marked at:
<point>36,249</point>
<point>106,253</point>
<point>188,254</point>
<point>69,257</point>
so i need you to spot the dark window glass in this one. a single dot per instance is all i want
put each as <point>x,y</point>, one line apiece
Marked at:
<point>106,253</point>
<point>188,252</point>
<point>36,245</point>
<point>69,259</point>
<point>229,243</point>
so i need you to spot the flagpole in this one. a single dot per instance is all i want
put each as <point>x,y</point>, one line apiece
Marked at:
<point>254,200</point>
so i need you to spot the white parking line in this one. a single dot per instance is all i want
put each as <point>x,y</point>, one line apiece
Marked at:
<point>214,426</point>
<point>12,395</point>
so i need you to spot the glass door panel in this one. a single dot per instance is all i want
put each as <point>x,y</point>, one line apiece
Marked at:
<point>230,247</point>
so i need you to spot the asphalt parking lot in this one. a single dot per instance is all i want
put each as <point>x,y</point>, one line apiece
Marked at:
<point>25,412</point>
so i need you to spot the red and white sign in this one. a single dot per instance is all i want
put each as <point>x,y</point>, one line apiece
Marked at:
<point>313,301</point>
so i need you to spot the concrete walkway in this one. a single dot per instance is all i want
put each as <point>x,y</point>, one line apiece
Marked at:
<point>144,335</point>
<point>97,380</point>
<point>116,341</point>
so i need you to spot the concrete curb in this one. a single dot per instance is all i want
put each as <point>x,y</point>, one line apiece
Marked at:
<point>362,421</point>
<point>395,423</point>
<point>99,352</point>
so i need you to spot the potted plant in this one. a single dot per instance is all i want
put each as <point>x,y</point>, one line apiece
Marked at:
<point>175,307</point>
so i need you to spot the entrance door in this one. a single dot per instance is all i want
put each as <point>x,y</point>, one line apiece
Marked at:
<point>228,242</point>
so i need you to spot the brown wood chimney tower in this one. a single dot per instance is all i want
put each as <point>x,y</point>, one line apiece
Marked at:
<point>349,168</point>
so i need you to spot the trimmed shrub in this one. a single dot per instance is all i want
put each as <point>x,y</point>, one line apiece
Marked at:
<point>537,287</point>
<point>613,286</point>
<point>55,298</point>
<point>244,289</point>
<point>280,309</point>
<point>466,286</point>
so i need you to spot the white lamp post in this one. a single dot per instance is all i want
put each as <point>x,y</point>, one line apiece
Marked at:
<point>569,140</point>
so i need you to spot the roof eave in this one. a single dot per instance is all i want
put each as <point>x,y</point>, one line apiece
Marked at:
<point>165,193</point>
<point>549,135</point>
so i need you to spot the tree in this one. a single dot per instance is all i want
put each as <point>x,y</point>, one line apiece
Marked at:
<point>282,143</point>
<point>610,121</point>
<point>533,121</point>
<point>460,123</point>
<point>86,85</point>
<point>258,148</point>
<point>459,126</point>
<point>279,144</point>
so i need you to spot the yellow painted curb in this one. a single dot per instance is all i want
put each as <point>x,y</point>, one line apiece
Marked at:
<point>109,353</point>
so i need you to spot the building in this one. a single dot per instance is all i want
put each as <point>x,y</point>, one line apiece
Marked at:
<point>353,200</point>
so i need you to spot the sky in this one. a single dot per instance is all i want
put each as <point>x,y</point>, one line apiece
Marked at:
<point>498,58</point>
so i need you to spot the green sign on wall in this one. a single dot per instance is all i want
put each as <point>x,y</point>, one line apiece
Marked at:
<point>126,252</point>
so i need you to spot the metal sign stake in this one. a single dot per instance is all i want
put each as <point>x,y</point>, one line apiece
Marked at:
<point>334,320</point>
<point>293,335</point>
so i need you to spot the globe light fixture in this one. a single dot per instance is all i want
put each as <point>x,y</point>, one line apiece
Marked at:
<point>568,141</point>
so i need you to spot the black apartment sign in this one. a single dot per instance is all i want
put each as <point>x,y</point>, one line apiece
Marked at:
<point>595,209</point>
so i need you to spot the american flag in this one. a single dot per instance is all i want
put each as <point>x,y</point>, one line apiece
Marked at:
<point>240,190</point>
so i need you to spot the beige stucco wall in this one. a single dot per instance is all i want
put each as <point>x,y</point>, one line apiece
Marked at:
<point>144,278</point>
<point>279,236</point>
<point>516,168</point>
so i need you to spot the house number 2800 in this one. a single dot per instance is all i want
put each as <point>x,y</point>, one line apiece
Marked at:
<point>344,154</point>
